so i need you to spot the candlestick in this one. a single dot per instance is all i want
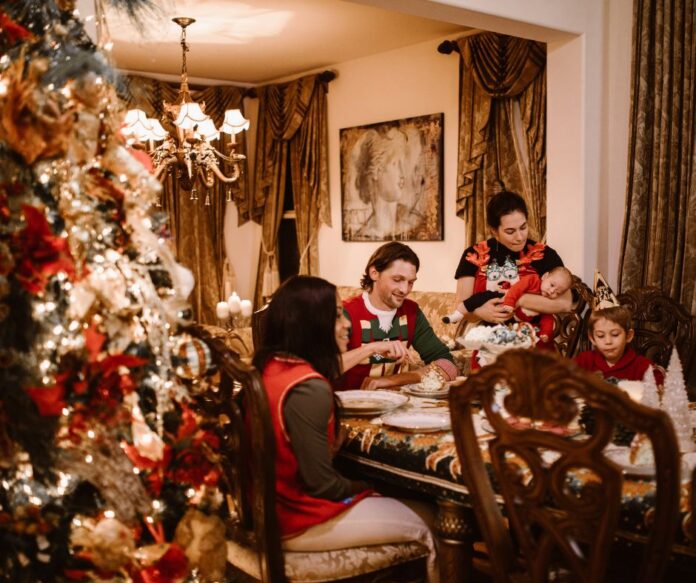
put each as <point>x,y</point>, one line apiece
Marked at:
<point>246,308</point>
<point>234,304</point>
<point>222,310</point>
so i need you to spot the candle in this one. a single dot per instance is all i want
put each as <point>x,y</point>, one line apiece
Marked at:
<point>246,308</point>
<point>234,303</point>
<point>222,310</point>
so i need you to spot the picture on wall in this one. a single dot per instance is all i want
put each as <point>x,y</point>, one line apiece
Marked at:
<point>391,180</point>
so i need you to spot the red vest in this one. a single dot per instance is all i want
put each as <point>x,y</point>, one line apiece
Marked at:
<point>358,313</point>
<point>297,510</point>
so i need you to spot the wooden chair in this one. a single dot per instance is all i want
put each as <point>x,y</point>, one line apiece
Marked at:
<point>238,405</point>
<point>569,327</point>
<point>660,323</point>
<point>556,521</point>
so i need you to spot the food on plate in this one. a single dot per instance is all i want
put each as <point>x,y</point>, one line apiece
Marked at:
<point>641,453</point>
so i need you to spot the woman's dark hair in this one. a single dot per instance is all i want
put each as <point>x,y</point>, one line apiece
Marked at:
<point>501,204</point>
<point>301,321</point>
<point>384,257</point>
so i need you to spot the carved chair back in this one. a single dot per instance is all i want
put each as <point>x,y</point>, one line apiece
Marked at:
<point>556,519</point>
<point>660,323</point>
<point>569,327</point>
<point>239,407</point>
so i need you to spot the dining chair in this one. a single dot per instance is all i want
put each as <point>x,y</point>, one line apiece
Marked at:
<point>570,327</point>
<point>660,323</point>
<point>239,406</point>
<point>561,494</point>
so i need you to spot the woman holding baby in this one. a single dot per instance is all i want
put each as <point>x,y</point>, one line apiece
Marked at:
<point>509,260</point>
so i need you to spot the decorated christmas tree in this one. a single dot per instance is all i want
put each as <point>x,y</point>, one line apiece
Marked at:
<point>675,402</point>
<point>650,396</point>
<point>103,463</point>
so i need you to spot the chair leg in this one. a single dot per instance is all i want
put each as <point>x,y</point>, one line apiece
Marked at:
<point>455,541</point>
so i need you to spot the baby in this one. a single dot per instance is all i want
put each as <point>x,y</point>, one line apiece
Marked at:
<point>552,284</point>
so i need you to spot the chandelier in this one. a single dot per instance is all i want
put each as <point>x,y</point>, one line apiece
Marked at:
<point>188,149</point>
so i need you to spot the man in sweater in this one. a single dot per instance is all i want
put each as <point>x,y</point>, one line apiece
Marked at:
<point>385,323</point>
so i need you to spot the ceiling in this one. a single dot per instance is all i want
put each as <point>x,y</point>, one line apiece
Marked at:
<point>257,41</point>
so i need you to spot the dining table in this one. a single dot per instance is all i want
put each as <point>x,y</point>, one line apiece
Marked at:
<point>420,458</point>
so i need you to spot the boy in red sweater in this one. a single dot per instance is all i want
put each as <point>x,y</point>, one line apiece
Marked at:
<point>610,332</point>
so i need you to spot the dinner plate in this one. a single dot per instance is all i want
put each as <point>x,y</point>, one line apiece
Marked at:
<point>369,402</point>
<point>417,421</point>
<point>418,391</point>
<point>620,456</point>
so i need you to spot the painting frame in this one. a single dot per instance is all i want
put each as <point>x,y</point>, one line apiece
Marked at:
<point>392,180</point>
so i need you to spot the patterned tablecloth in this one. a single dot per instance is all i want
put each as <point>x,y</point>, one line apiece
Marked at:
<point>428,463</point>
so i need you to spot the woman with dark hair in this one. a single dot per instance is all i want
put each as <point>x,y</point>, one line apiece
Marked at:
<point>490,267</point>
<point>299,354</point>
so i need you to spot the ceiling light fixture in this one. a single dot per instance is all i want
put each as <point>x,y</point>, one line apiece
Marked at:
<point>189,151</point>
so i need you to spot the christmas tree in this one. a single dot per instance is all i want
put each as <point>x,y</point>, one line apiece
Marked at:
<point>650,397</point>
<point>101,454</point>
<point>675,402</point>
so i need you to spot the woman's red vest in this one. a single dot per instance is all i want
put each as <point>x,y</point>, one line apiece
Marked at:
<point>297,510</point>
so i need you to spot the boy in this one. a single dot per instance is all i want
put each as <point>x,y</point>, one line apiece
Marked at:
<point>610,331</point>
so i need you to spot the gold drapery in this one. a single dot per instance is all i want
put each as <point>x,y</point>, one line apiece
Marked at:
<point>197,228</point>
<point>659,237</point>
<point>502,127</point>
<point>292,124</point>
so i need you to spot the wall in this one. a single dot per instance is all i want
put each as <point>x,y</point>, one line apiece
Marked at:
<point>398,84</point>
<point>588,96</point>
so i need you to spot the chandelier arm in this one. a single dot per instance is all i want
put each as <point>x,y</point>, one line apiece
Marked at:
<point>235,173</point>
<point>231,158</point>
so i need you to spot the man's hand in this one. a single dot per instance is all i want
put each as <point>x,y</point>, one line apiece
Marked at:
<point>372,383</point>
<point>394,349</point>
<point>493,311</point>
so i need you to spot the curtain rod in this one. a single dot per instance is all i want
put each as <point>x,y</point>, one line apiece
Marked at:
<point>447,47</point>
<point>325,77</point>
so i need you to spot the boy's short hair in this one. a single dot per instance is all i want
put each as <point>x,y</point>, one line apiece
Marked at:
<point>618,314</point>
<point>561,270</point>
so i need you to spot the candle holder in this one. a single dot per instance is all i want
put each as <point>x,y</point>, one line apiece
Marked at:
<point>234,313</point>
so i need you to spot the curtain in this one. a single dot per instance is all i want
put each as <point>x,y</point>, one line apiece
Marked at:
<point>292,126</point>
<point>197,227</point>
<point>502,128</point>
<point>659,236</point>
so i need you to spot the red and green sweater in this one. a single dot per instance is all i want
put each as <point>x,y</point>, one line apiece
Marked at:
<point>409,324</point>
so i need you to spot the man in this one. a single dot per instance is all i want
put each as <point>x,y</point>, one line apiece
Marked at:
<point>384,323</point>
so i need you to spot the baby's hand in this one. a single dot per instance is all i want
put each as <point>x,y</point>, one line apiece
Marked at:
<point>543,337</point>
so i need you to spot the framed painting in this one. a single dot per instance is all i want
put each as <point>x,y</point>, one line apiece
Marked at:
<point>391,180</point>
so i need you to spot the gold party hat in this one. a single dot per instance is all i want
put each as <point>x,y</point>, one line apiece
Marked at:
<point>603,296</point>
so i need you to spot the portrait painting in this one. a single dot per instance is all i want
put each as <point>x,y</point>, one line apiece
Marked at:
<point>391,180</point>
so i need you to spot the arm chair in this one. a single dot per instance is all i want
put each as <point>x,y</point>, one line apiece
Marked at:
<point>560,523</point>
<point>660,323</point>
<point>239,406</point>
<point>569,327</point>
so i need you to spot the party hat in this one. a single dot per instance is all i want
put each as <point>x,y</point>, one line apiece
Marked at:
<point>603,296</point>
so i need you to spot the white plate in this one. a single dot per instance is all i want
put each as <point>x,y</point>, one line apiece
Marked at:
<point>620,456</point>
<point>417,391</point>
<point>417,422</point>
<point>369,402</point>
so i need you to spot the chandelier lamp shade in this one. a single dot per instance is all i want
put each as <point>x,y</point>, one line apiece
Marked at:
<point>187,149</point>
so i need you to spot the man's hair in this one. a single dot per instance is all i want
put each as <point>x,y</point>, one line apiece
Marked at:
<point>384,257</point>
<point>565,272</point>
<point>618,314</point>
<point>301,321</point>
<point>501,204</point>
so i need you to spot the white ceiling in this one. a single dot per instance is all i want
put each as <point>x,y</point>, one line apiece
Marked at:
<point>257,41</point>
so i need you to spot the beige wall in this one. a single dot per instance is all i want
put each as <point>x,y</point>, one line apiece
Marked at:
<point>588,95</point>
